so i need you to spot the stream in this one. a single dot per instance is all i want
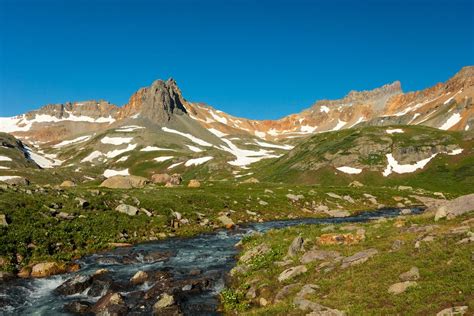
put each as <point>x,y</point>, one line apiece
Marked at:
<point>193,269</point>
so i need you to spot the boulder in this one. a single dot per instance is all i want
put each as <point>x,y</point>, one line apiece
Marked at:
<point>45,269</point>
<point>337,213</point>
<point>292,272</point>
<point>124,182</point>
<point>78,307</point>
<point>254,252</point>
<point>294,198</point>
<point>453,311</point>
<point>160,178</point>
<point>74,285</point>
<point>139,277</point>
<point>358,258</point>
<point>17,180</point>
<point>194,183</point>
<point>411,275</point>
<point>355,184</point>
<point>296,246</point>
<point>165,300</point>
<point>127,209</point>
<point>175,179</point>
<point>3,220</point>
<point>110,304</point>
<point>226,221</point>
<point>324,255</point>
<point>82,203</point>
<point>67,184</point>
<point>400,287</point>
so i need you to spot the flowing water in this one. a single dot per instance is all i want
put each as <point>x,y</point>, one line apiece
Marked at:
<point>212,255</point>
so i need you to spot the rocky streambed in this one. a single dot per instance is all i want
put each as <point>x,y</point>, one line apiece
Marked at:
<point>169,277</point>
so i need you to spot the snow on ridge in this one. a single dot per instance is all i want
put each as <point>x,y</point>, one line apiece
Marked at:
<point>268,145</point>
<point>394,166</point>
<point>175,165</point>
<point>5,158</point>
<point>395,131</point>
<point>162,158</point>
<point>110,173</point>
<point>93,155</point>
<point>324,109</point>
<point>154,148</point>
<point>129,128</point>
<point>188,136</point>
<point>194,148</point>
<point>116,152</point>
<point>116,140</point>
<point>73,141</point>
<point>197,161</point>
<point>217,132</point>
<point>307,129</point>
<point>452,120</point>
<point>349,170</point>
<point>260,134</point>
<point>245,157</point>
<point>218,118</point>
<point>340,124</point>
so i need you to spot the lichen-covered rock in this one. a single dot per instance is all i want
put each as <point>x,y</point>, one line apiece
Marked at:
<point>124,182</point>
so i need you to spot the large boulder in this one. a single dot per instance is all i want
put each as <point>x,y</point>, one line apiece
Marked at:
<point>296,246</point>
<point>67,184</point>
<point>45,269</point>
<point>453,208</point>
<point>110,304</point>
<point>127,209</point>
<point>16,180</point>
<point>74,285</point>
<point>160,178</point>
<point>291,273</point>
<point>124,182</point>
<point>400,287</point>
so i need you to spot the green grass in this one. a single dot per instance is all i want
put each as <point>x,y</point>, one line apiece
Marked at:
<point>447,277</point>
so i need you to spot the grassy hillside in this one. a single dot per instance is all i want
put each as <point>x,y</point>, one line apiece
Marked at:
<point>314,160</point>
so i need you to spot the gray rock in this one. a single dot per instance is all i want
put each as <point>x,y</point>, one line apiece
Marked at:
<point>307,289</point>
<point>400,287</point>
<point>291,273</point>
<point>397,244</point>
<point>314,255</point>
<point>294,198</point>
<point>285,292</point>
<point>254,252</point>
<point>453,311</point>
<point>334,195</point>
<point>358,258</point>
<point>296,246</point>
<point>82,203</point>
<point>127,209</point>
<point>411,275</point>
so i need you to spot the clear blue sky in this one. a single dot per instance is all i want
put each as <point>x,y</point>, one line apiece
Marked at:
<point>258,59</point>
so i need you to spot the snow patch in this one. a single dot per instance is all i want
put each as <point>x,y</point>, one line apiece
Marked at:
<point>93,155</point>
<point>456,152</point>
<point>216,132</point>
<point>260,134</point>
<point>122,159</point>
<point>175,165</point>
<point>188,136</point>
<point>4,168</point>
<point>73,141</point>
<point>244,156</point>
<point>452,120</point>
<point>163,158</point>
<point>110,173</point>
<point>340,124</point>
<point>197,161</point>
<point>324,109</point>
<point>194,148</point>
<point>308,129</point>
<point>5,158</point>
<point>154,148</point>
<point>129,128</point>
<point>116,140</point>
<point>394,166</point>
<point>3,178</point>
<point>117,152</point>
<point>349,170</point>
<point>268,145</point>
<point>218,118</point>
<point>394,131</point>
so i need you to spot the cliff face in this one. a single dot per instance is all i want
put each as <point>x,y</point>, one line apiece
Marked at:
<point>157,103</point>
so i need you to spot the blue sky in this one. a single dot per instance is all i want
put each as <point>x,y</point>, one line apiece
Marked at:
<point>258,59</point>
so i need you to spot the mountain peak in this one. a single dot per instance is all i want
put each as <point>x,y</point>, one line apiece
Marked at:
<point>157,103</point>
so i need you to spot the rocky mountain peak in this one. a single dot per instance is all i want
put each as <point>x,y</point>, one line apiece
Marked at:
<point>157,103</point>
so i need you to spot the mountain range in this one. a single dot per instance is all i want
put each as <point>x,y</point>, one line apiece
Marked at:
<point>382,131</point>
